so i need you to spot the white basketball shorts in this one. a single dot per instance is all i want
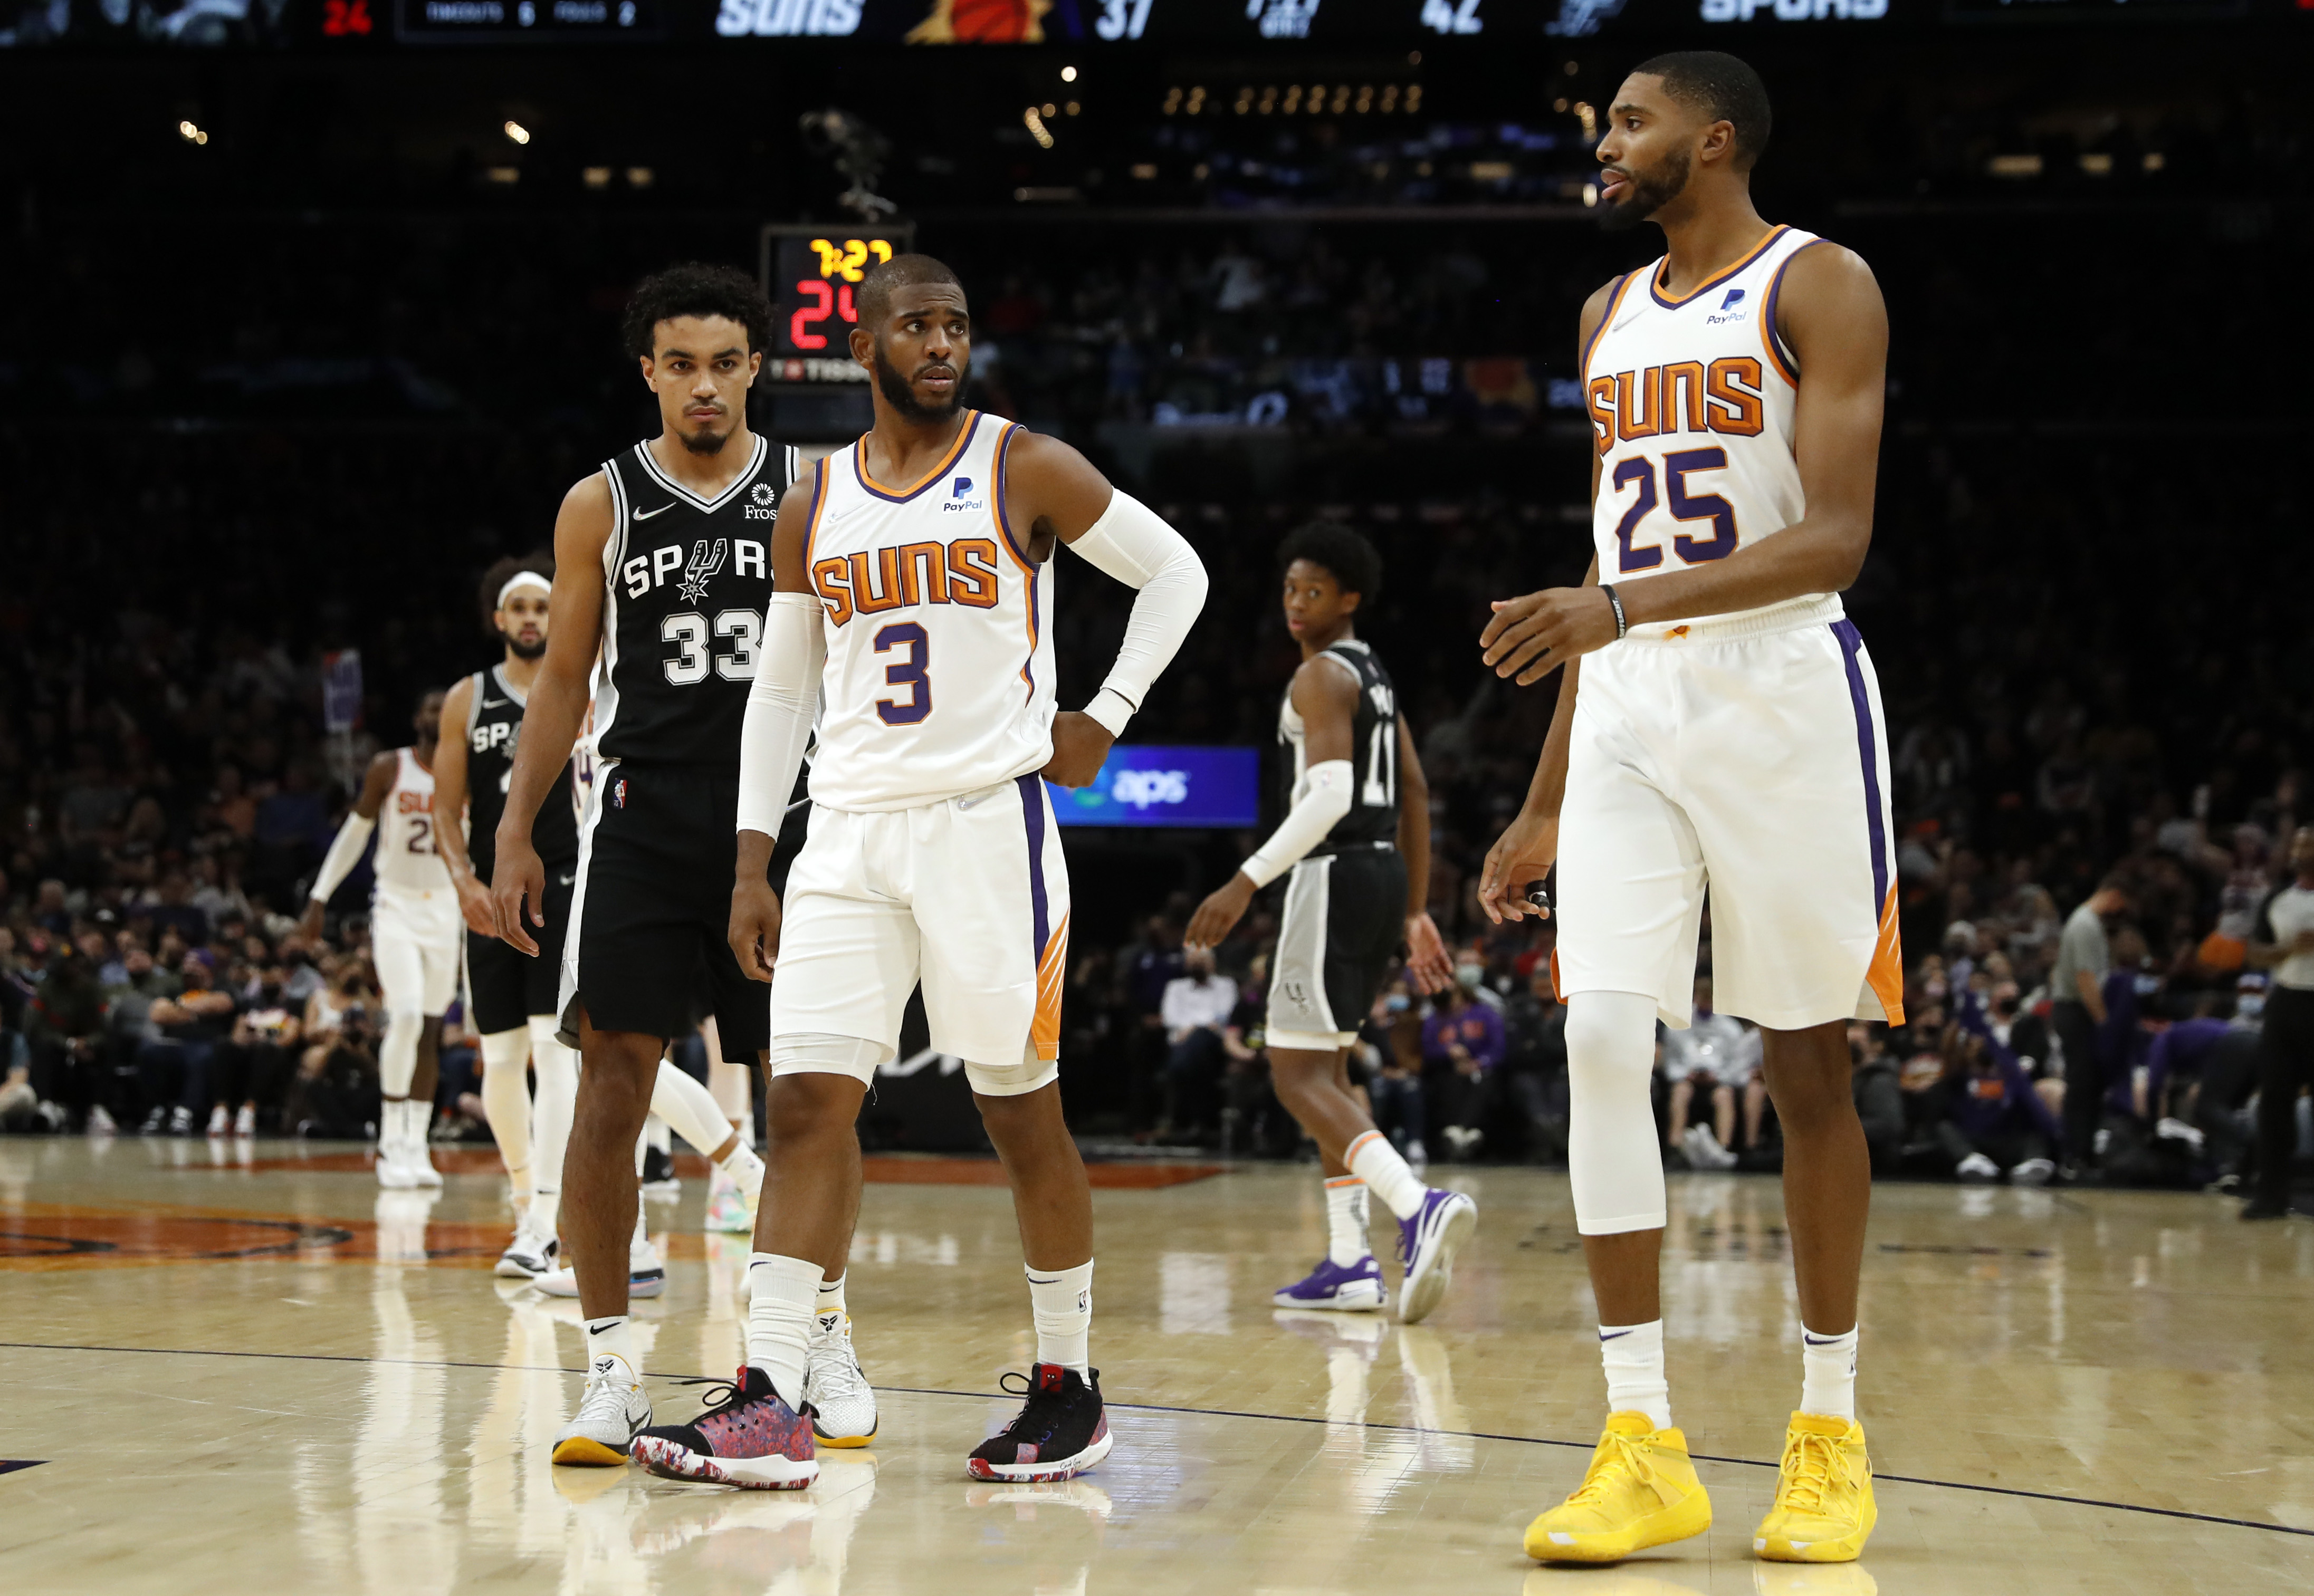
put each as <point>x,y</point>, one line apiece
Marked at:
<point>969,895</point>
<point>1748,755</point>
<point>415,938</point>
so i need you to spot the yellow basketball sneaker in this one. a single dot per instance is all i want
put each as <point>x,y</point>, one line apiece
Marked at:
<point>1639,1491</point>
<point>1824,1511</point>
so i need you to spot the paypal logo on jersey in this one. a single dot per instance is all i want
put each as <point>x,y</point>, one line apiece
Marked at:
<point>1727,311</point>
<point>957,499</point>
<point>963,487</point>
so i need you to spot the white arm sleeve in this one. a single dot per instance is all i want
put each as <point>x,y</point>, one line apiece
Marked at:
<point>1132,542</point>
<point>1323,802</point>
<point>345,852</point>
<point>778,724</point>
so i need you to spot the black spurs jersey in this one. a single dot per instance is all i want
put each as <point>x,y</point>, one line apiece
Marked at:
<point>686,580</point>
<point>493,723</point>
<point>1374,754</point>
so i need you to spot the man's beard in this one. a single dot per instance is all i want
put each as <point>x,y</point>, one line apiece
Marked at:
<point>903,398</point>
<point>704,443</point>
<point>523,650</point>
<point>1650,192</point>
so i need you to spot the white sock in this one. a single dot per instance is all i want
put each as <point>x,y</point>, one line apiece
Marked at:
<point>831,1297</point>
<point>613,1335</point>
<point>1828,1374</point>
<point>1373,1159</point>
<point>740,1163</point>
<point>780,1295</point>
<point>1345,1219</point>
<point>1633,1357</point>
<point>1061,1301</point>
<point>389,1128</point>
<point>505,1103</point>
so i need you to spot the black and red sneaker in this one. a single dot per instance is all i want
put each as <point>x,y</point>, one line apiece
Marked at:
<point>1062,1429</point>
<point>747,1436</point>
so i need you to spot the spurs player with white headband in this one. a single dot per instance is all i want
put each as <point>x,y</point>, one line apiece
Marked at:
<point>1356,838</point>
<point>1718,721</point>
<point>413,935</point>
<point>917,618</point>
<point>513,997</point>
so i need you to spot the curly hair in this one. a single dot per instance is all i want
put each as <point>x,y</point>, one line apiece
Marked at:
<point>503,571</point>
<point>695,288</point>
<point>1353,561</point>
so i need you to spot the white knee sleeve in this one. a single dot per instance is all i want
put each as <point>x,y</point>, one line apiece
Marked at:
<point>822,1055</point>
<point>728,1085</point>
<point>505,1095</point>
<point>1011,1080</point>
<point>397,1052</point>
<point>1612,1160</point>
<point>557,1067</point>
<point>688,1108</point>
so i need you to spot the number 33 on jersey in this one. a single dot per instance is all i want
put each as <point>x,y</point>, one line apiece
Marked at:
<point>686,580</point>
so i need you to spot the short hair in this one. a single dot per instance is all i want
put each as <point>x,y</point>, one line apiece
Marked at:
<point>538,562</point>
<point>695,288</point>
<point>901,272</point>
<point>1346,555</point>
<point>1723,88</point>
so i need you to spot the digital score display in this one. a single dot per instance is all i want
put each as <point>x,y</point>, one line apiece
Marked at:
<point>812,277</point>
<point>450,22</point>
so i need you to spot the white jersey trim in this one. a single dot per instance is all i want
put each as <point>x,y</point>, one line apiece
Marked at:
<point>651,467</point>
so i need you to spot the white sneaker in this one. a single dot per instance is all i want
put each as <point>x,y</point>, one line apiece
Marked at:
<point>244,1124</point>
<point>834,1385</point>
<point>1978,1166</point>
<point>646,1275</point>
<point>219,1120</point>
<point>392,1173</point>
<point>727,1209</point>
<point>100,1123</point>
<point>419,1163</point>
<point>1417,1156</point>
<point>611,1411</point>
<point>2177,1130</point>
<point>2032,1172</point>
<point>529,1256</point>
<point>1704,1152</point>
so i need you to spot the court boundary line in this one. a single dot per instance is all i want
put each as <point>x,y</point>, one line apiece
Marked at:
<point>1220,1412</point>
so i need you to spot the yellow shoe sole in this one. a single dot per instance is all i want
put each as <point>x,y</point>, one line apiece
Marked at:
<point>841,1440</point>
<point>580,1453</point>
<point>1845,1549</point>
<point>1689,1516</point>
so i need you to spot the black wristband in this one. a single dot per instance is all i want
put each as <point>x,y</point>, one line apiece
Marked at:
<point>1621,624</point>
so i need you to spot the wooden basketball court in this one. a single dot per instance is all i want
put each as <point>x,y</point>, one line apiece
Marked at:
<point>249,1371</point>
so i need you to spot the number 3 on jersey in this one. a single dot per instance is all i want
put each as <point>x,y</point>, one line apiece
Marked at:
<point>913,673</point>
<point>1639,471</point>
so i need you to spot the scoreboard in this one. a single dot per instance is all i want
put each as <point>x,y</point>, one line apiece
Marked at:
<point>812,275</point>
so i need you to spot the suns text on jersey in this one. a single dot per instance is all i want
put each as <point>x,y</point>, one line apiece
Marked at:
<point>869,583</point>
<point>1684,396</point>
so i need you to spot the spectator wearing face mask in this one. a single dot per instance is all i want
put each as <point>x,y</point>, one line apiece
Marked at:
<point>255,1062</point>
<point>2077,1008</point>
<point>1534,1063</point>
<point>1461,1047</point>
<point>1718,1055</point>
<point>176,1064</point>
<point>1994,1122</point>
<point>1395,1089</point>
<point>1879,1098</point>
<point>1196,1006</point>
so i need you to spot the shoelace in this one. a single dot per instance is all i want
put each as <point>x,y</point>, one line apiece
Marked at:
<point>1596,1485</point>
<point>1037,1415</point>
<point>605,1397</point>
<point>1809,1464</point>
<point>840,1375</point>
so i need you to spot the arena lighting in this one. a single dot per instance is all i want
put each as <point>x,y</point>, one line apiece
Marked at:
<point>1068,74</point>
<point>191,134</point>
<point>639,177</point>
<point>1590,195</point>
<point>1074,108</point>
<point>1036,128</point>
<point>1048,109</point>
<point>596,177</point>
<point>518,132</point>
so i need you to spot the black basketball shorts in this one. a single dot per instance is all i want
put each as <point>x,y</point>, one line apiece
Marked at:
<point>1345,918</point>
<point>505,986</point>
<point>651,913</point>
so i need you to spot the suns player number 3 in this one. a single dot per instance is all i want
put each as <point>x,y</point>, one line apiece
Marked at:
<point>688,630</point>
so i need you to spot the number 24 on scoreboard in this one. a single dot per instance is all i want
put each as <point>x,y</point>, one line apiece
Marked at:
<point>830,293</point>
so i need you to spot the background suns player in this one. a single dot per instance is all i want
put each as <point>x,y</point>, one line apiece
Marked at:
<point>514,997</point>
<point>1356,837</point>
<point>413,932</point>
<point>918,617</point>
<point>662,568</point>
<point>1726,728</point>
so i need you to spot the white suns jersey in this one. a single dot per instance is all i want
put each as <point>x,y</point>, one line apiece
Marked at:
<point>1692,403</point>
<point>940,666</point>
<point>405,859</point>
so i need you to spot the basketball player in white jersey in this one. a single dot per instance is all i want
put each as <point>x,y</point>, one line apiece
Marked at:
<point>1718,722</point>
<point>662,572</point>
<point>513,997</point>
<point>413,934</point>
<point>914,591</point>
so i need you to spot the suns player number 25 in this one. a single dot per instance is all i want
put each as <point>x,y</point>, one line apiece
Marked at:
<point>689,632</point>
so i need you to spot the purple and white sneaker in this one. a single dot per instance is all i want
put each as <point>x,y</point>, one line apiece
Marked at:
<point>1426,1246</point>
<point>749,1436</point>
<point>1353,1288</point>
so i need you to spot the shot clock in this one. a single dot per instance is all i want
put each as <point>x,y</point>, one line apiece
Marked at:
<point>812,277</point>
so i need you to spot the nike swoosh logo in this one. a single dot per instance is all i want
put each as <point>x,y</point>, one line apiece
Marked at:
<point>1034,1280</point>
<point>647,514</point>
<point>566,880</point>
<point>1817,1340</point>
<point>1618,1336</point>
<point>492,703</point>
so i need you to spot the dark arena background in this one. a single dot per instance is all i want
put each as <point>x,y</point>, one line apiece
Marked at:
<point>312,314</point>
